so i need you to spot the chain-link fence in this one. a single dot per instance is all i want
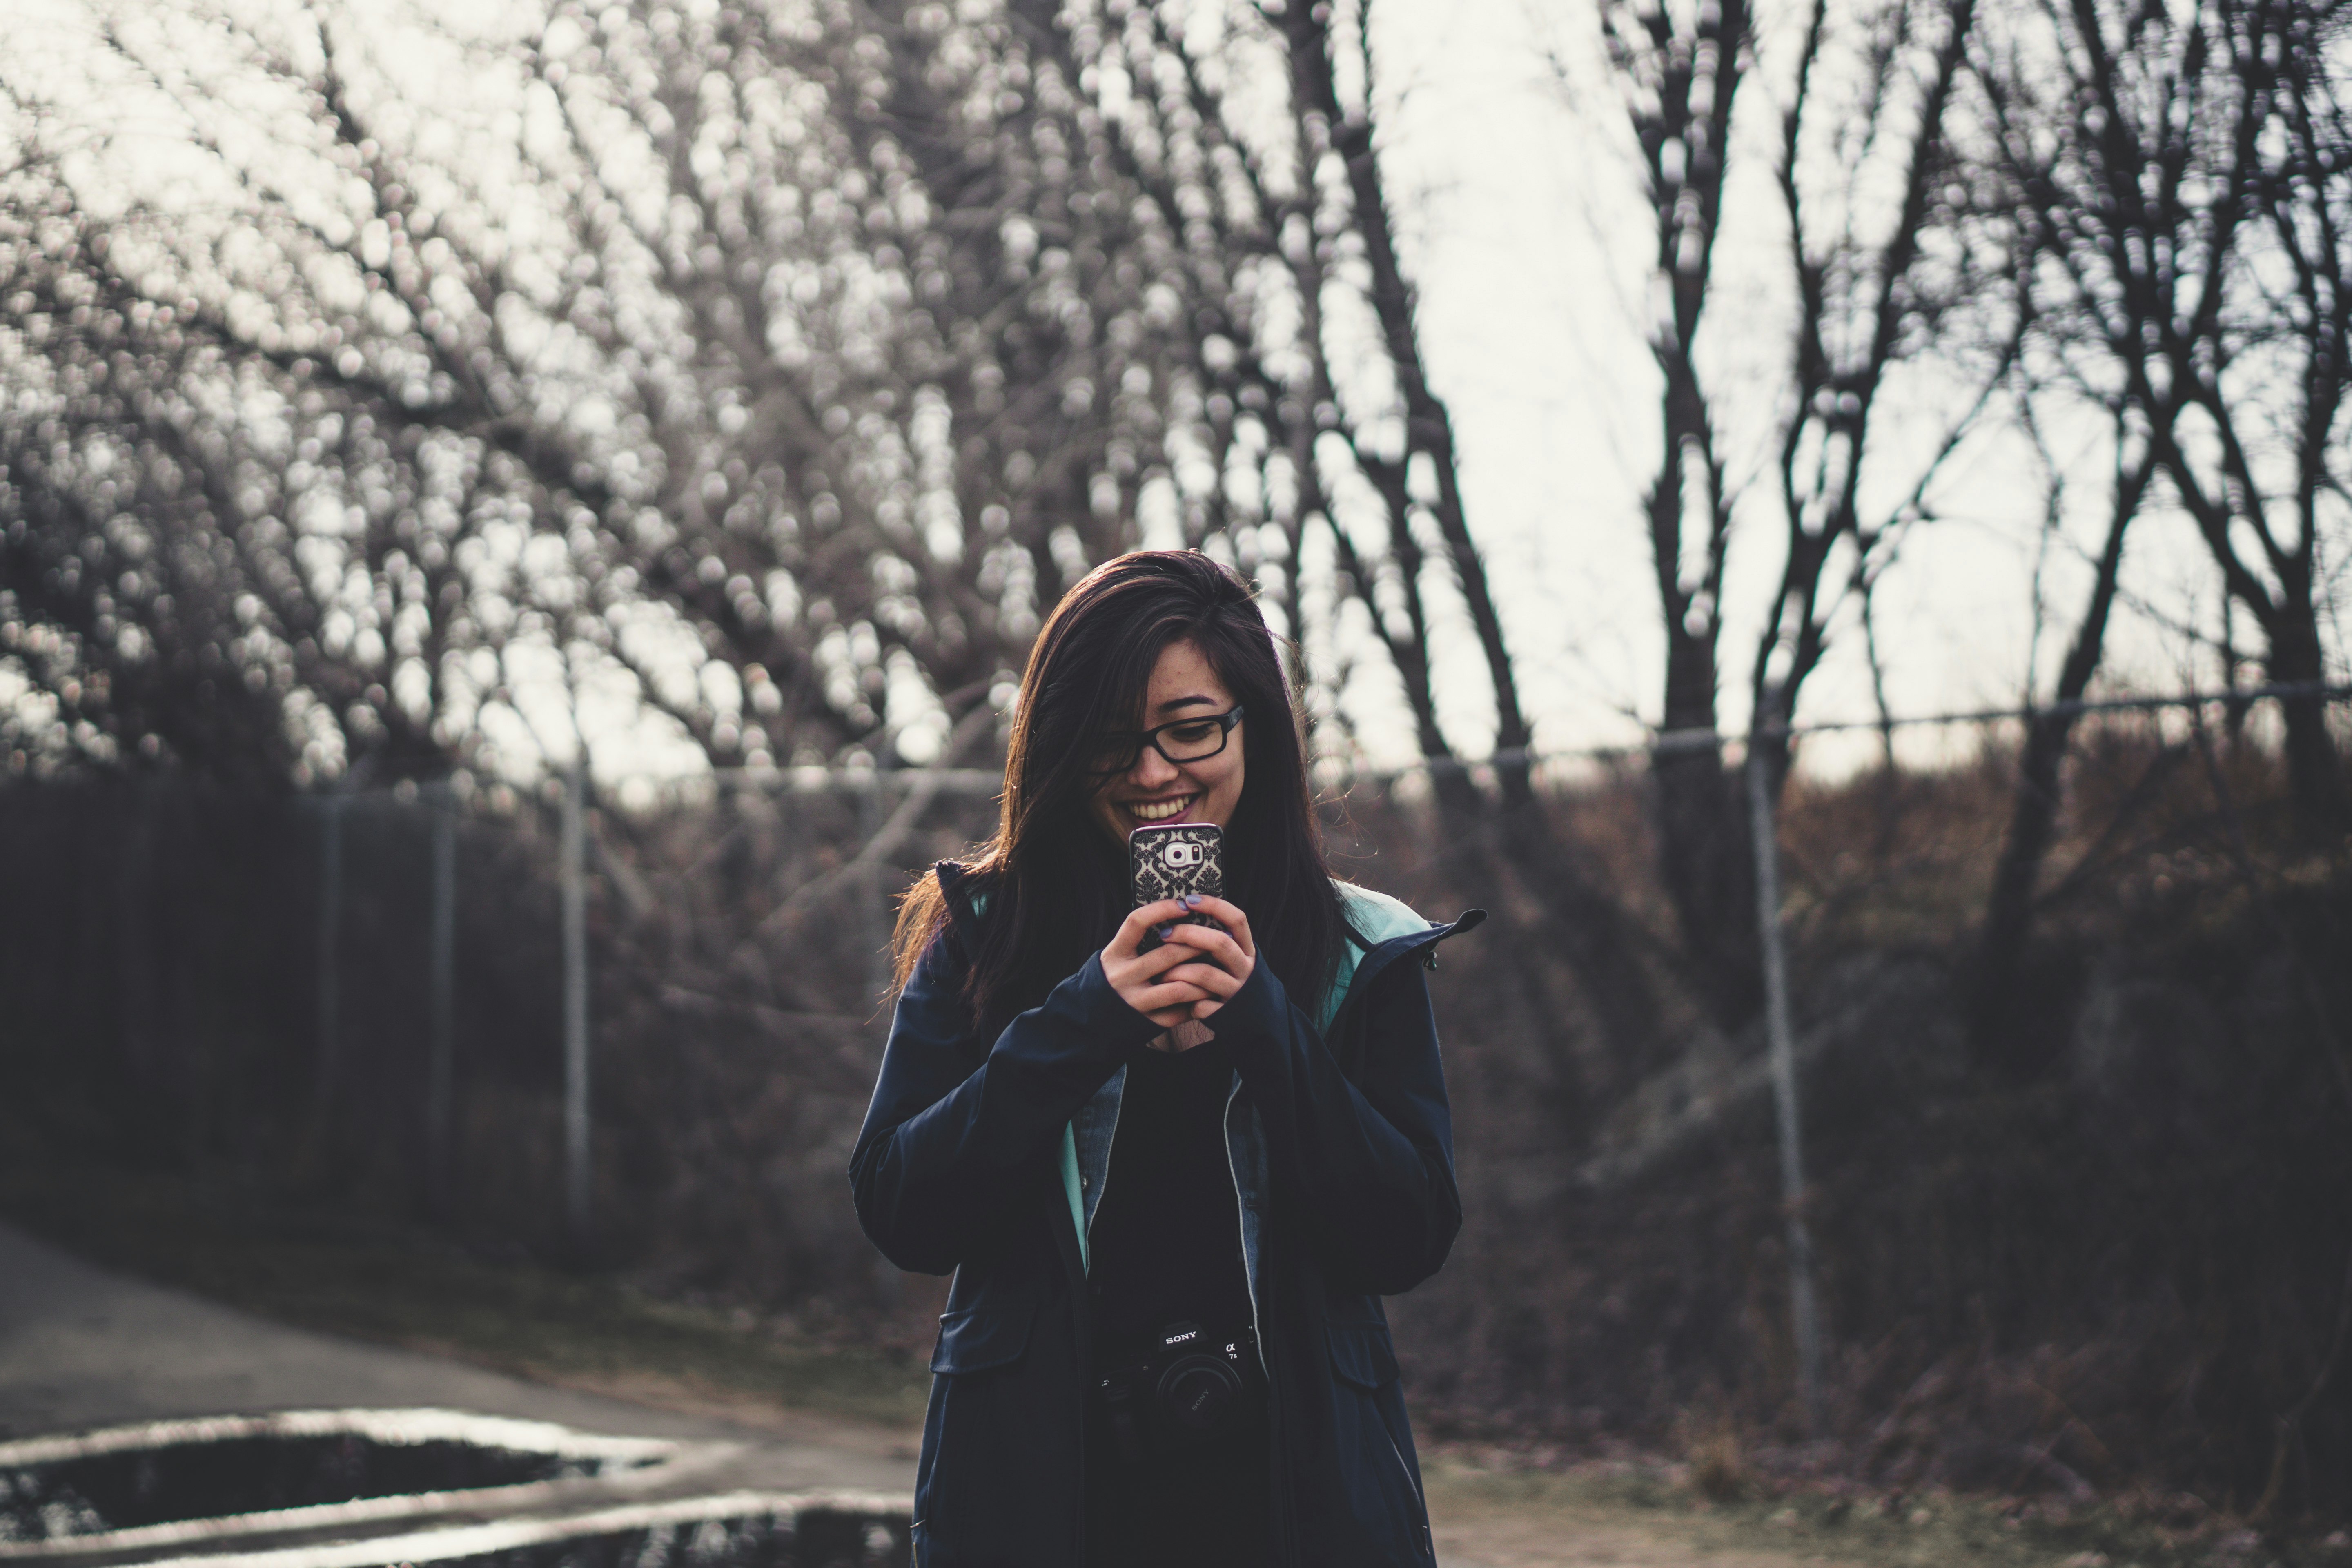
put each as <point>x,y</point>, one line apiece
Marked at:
<point>2072,1200</point>
<point>372,994</point>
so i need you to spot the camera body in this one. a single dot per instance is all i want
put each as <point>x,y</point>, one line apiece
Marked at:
<point>1190,1390</point>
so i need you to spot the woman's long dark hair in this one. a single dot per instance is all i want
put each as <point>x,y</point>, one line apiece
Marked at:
<point>1057,885</point>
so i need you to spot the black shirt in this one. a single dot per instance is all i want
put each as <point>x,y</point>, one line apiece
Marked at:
<point>1166,1243</point>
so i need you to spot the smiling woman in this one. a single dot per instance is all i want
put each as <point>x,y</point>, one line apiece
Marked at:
<point>1154,691</point>
<point>1184,768</point>
<point>1171,1183</point>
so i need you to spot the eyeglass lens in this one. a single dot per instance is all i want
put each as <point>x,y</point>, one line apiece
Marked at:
<point>1185,741</point>
<point>1192,740</point>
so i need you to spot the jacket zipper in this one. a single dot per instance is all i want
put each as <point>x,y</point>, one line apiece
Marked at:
<point>1089,1209</point>
<point>1241,1229</point>
<point>1085,1303</point>
<point>1412,1486</point>
<point>1282,1547</point>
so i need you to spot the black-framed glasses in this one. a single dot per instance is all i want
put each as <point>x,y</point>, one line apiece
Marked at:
<point>1190,740</point>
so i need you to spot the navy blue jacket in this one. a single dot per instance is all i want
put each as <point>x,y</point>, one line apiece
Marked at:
<point>965,1164</point>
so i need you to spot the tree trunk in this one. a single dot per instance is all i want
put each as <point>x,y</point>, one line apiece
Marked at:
<point>1709,872</point>
<point>1996,1024</point>
<point>2314,768</point>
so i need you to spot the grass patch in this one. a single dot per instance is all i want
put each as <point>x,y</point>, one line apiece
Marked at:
<point>1840,1523</point>
<point>406,1286</point>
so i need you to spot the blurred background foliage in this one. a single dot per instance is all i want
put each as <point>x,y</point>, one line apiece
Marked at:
<point>424,395</point>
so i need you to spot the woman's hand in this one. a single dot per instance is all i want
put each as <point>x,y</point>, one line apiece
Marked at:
<point>1190,974</point>
<point>1143,980</point>
<point>1228,950</point>
<point>1222,958</point>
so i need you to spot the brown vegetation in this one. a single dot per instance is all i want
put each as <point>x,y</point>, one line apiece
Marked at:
<point>2124,1267</point>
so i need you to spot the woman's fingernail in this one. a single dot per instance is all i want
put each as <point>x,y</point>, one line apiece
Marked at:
<point>1192,900</point>
<point>1165,932</point>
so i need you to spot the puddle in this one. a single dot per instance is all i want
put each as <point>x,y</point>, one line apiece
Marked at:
<point>422,1488</point>
<point>131,1479</point>
<point>739,1530</point>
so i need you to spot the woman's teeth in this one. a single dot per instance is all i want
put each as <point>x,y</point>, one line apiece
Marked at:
<point>1159,810</point>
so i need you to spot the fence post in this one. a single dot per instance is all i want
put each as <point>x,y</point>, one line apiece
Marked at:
<point>134,938</point>
<point>1803,1319</point>
<point>441,1022</point>
<point>330,986</point>
<point>575,1001</point>
<point>869,889</point>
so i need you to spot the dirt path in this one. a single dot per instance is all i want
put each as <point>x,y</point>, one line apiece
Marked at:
<point>1475,1529</point>
<point>82,1346</point>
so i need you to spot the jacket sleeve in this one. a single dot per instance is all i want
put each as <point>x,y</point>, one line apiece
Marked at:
<point>957,1126</point>
<point>1365,1163</point>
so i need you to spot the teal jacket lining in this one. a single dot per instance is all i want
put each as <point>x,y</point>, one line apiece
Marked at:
<point>1374,916</point>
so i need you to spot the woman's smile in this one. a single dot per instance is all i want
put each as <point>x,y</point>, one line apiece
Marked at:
<point>1167,810</point>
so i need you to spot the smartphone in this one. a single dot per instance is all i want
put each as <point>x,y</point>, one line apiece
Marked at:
<point>1172,861</point>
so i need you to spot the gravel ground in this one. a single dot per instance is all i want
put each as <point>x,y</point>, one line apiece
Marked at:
<point>82,1346</point>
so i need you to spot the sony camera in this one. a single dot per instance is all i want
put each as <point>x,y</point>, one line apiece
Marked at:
<point>1191,1390</point>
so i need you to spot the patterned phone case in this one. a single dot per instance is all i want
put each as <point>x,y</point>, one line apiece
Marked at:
<point>1169,862</point>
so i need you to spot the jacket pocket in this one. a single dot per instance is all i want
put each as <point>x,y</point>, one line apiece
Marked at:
<point>1361,1354</point>
<point>980,1339</point>
<point>1382,1491</point>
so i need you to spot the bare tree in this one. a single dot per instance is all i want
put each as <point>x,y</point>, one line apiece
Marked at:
<point>2179,178</point>
<point>151,580</point>
<point>2109,262</point>
<point>1874,281</point>
<point>953,421</point>
<point>681,344</point>
<point>1322,424</point>
<point>1877,292</point>
<point>1680,71</point>
<point>2257,460</point>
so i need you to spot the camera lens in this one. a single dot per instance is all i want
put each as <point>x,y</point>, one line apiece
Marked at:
<point>1197,1392</point>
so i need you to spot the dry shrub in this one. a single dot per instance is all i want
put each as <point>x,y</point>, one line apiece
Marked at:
<point>1712,1447</point>
<point>2120,1271</point>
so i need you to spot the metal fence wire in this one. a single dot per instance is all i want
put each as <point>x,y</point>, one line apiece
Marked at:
<point>644,1023</point>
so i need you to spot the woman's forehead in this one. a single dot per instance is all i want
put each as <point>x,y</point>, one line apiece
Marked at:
<point>1184,681</point>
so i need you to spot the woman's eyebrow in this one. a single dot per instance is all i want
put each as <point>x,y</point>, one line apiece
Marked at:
<point>1175,702</point>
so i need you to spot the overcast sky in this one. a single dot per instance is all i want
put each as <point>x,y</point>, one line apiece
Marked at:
<point>1525,229</point>
<point>1528,236</point>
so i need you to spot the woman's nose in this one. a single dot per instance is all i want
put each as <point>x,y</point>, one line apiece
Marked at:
<point>1151,771</point>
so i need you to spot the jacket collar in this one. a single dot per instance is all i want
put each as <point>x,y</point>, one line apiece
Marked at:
<point>1421,944</point>
<point>955,886</point>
